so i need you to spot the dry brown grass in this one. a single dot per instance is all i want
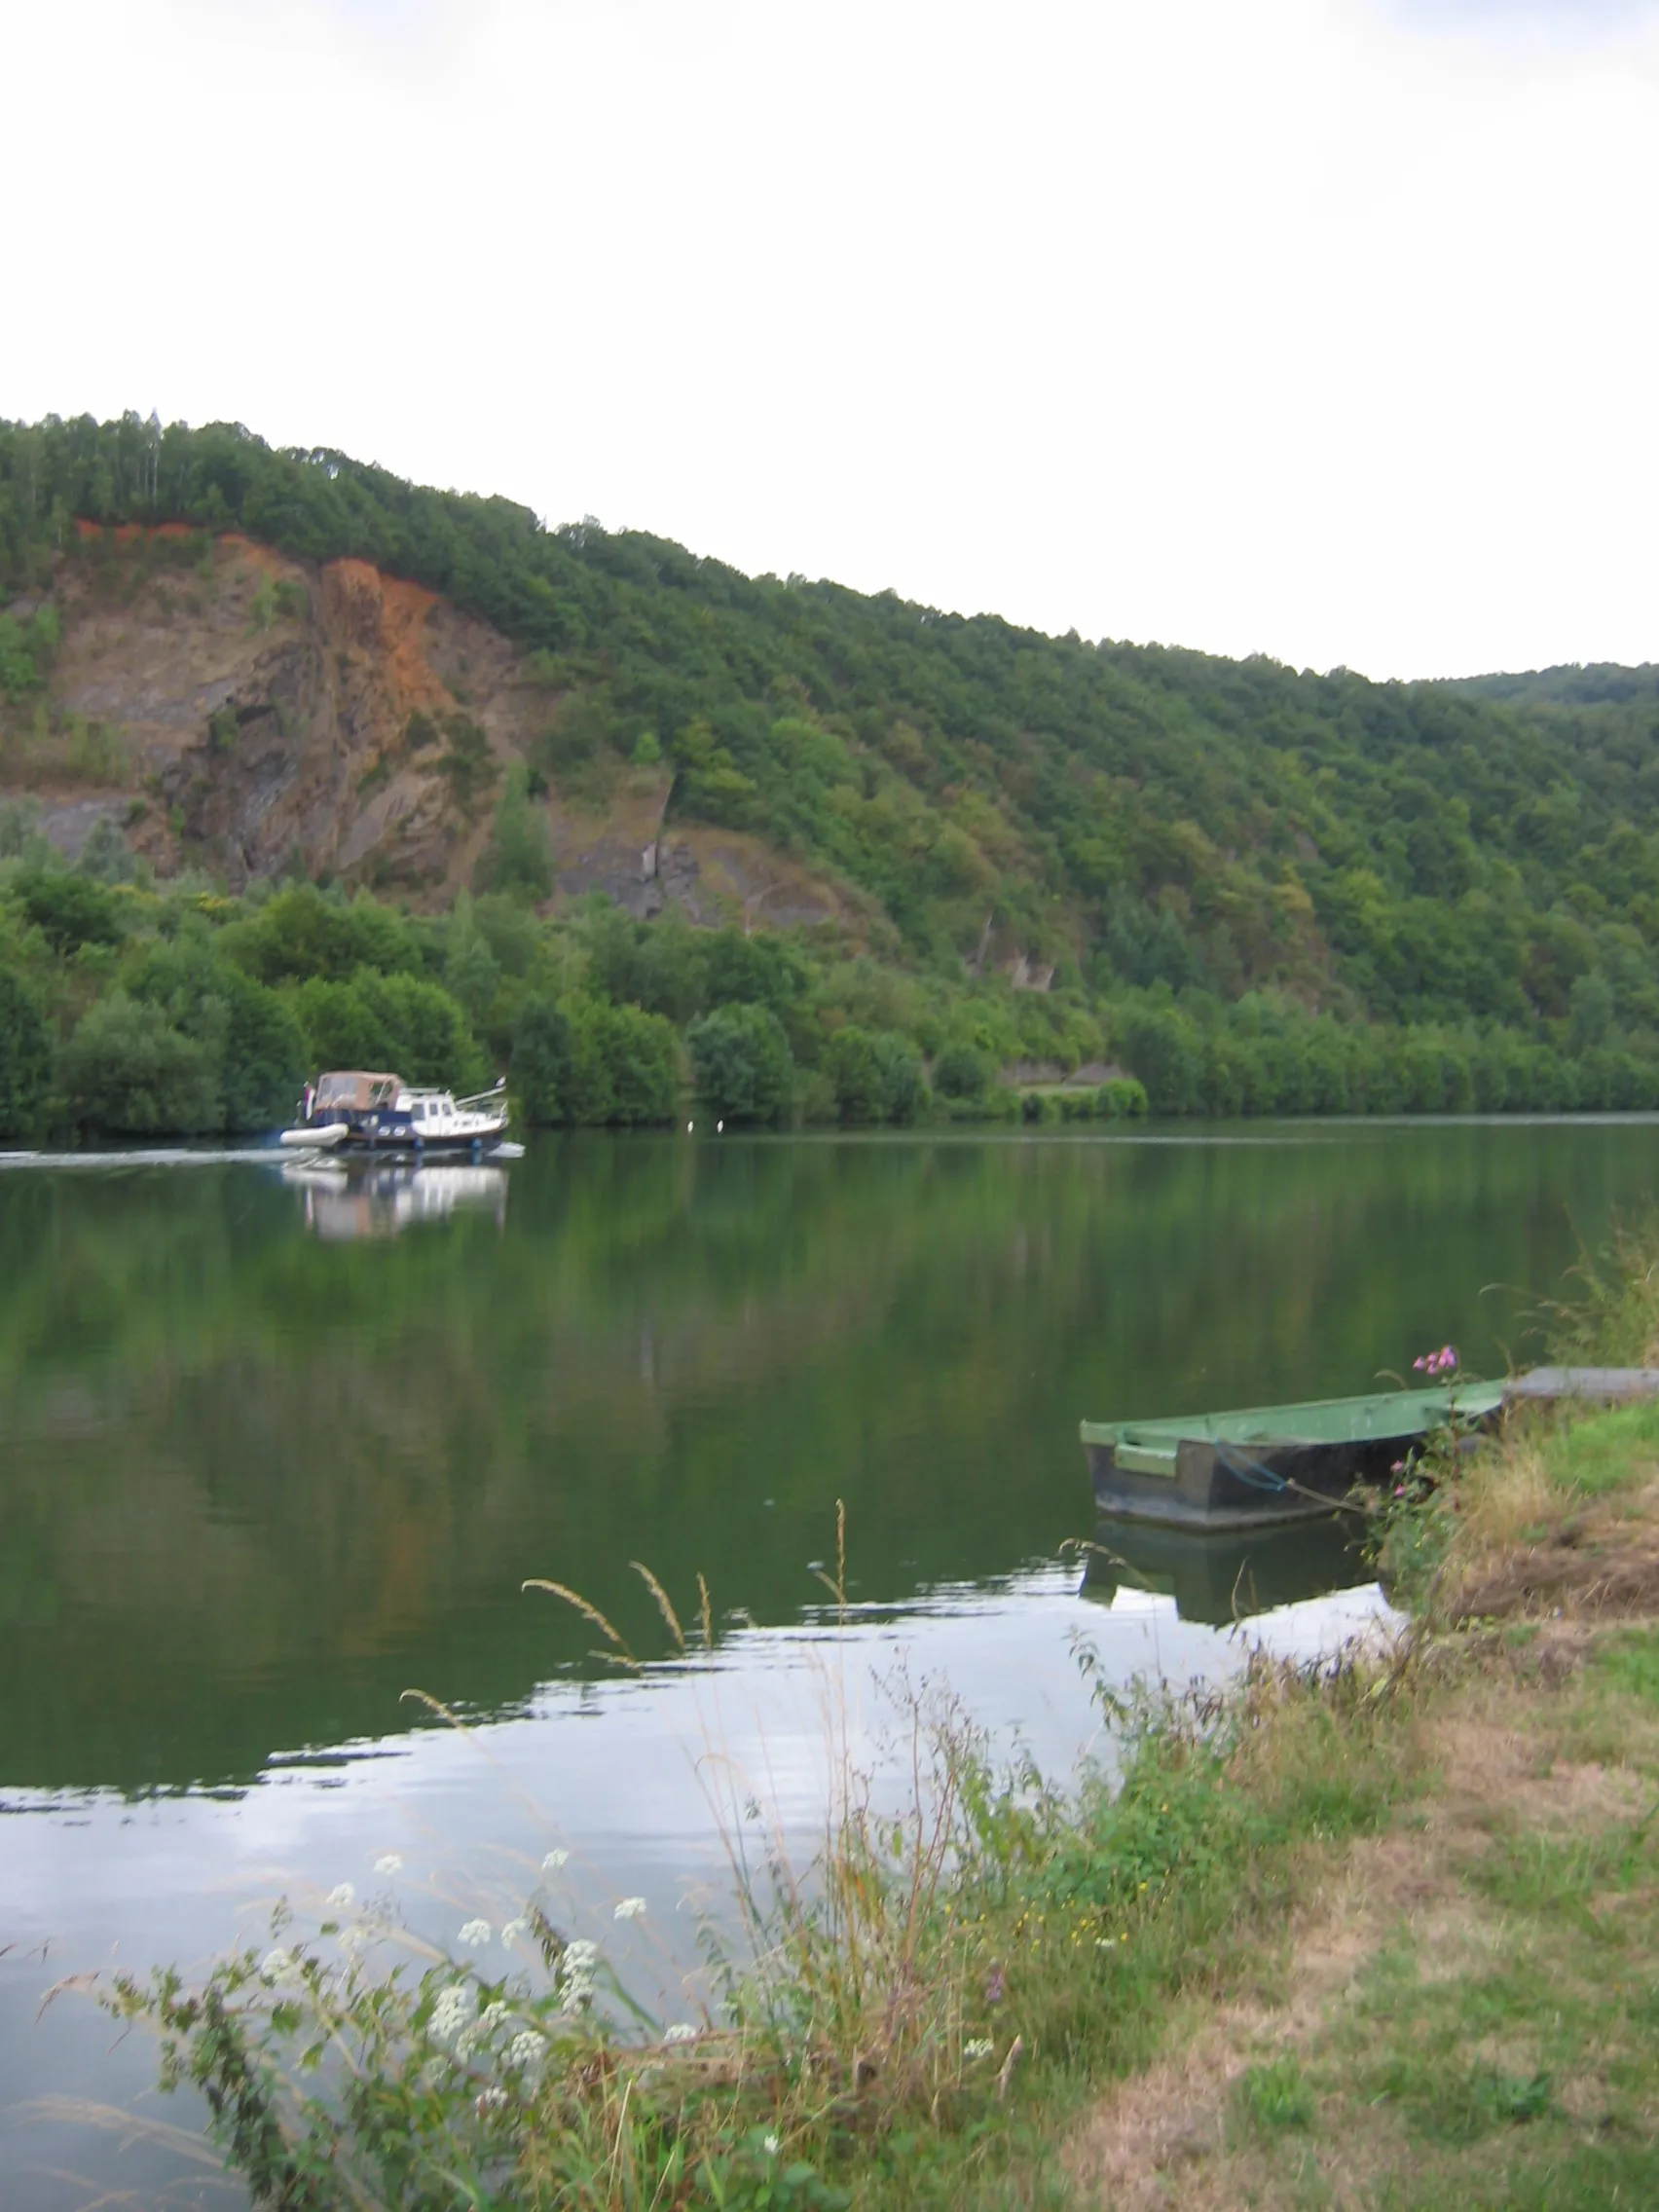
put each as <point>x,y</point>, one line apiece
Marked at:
<point>1500,1753</point>
<point>1595,1560</point>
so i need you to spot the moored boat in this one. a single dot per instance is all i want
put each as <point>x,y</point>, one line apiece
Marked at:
<point>357,1110</point>
<point>1262,1465</point>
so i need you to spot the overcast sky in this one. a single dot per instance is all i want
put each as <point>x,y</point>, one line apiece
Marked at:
<point>1322,328</point>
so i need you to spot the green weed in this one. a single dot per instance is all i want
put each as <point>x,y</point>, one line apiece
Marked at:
<point>1275,2095</point>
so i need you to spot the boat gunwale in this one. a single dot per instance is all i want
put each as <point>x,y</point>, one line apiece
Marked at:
<point>1408,1412</point>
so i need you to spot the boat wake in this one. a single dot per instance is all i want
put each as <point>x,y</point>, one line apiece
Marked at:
<point>156,1156</point>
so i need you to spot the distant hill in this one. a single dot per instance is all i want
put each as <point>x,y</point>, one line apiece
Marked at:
<point>281,653</point>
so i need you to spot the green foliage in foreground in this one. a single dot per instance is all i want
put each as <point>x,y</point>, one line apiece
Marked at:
<point>867,2040</point>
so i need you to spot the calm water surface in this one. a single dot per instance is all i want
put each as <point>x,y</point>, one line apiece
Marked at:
<point>274,1451</point>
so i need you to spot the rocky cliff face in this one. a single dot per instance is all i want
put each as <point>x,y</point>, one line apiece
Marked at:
<point>227,705</point>
<point>247,710</point>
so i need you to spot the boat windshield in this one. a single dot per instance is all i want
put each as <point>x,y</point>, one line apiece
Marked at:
<point>352,1087</point>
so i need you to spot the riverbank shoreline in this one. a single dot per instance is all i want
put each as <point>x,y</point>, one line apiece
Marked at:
<point>1373,1931</point>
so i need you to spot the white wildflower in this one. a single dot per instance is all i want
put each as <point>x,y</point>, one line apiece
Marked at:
<point>489,2100</point>
<point>977,2047</point>
<point>629,1908</point>
<point>342,1898</point>
<point>354,1941</point>
<point>554,1861</point>
<point>451,2013</point>
<point>477,1934</point>
<point>477,2036</point>
<point>511,1932</point>
<point>388,1862</point>
<point>278,1967</point>
<point>769,2144</point>
<point>683,2031</point>
<point>526,2051</point>
<point>576,1968</point>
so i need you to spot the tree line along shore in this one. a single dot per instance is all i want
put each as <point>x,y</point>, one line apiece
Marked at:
<point>170,1009</point>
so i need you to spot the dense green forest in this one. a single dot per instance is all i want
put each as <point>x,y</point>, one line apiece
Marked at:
<point>1258,890</point>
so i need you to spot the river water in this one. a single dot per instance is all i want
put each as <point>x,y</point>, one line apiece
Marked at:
<point>276,1447</point>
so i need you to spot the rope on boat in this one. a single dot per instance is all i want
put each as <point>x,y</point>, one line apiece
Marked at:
<point>1258,1477</point>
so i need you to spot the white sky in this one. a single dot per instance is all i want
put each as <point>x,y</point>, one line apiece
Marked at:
<point>1324,328</point>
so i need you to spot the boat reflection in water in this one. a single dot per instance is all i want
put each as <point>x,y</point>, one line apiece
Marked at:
<point>1224,1577</point>
<point>342,1201</point>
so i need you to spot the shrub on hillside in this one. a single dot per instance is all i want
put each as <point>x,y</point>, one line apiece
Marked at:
<point>69,910</point>
<point>393,1022</point>
<point>256,1043</point>
<point>543,1054</point>
<point>643,1054</point>
<point>25,1058</point>
<point>877,1075</point>
<point>962,1071</point>
<point>591,1065</point>
<point>300,934</point>
<point>518,858</point>
<point>744,1070</point>
<point>128,1072</point>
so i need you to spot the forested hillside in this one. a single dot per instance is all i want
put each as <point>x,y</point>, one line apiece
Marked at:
<point>1256,888</point>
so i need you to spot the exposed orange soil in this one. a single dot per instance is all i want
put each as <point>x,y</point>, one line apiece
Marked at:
<point>386,615</point>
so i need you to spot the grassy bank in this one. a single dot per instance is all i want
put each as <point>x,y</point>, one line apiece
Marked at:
<point>1379,1933</point>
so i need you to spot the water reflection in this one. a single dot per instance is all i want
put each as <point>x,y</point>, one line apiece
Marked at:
<point>264,1463</point>
<point>1224,1577</point>
<point>342,1202</point>
<point>256,1482</point>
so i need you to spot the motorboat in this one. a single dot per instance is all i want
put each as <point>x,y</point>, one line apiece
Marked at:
<point>356,1110</point>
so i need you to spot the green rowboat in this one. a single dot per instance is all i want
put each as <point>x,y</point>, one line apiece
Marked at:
<point>1265,1464</point>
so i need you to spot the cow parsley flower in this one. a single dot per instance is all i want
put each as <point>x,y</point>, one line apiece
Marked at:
<point>342,1898</point>
<point>683,2031</point>
<point>278,1967</point>
<point>476,2036</point>
<point>581,1956</point>
<point>769,2144</point>
<point>477,1934</point>
<point>489,2100</point>
<point>389,1863</point>
<point>451,2013</point>
<point>554,1861</point>
<point>511,1932</point>
<point>629,1908</point>
<point>526,2051</point>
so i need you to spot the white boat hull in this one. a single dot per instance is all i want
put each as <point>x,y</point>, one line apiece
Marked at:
<point>323,1138</point>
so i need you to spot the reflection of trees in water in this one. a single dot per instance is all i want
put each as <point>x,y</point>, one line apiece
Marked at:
<point>253,1485</point>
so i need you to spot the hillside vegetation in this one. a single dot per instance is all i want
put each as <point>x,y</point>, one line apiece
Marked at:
<point>1258,890</point>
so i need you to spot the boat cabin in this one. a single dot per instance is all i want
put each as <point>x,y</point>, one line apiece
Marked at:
<point>353,1091</point>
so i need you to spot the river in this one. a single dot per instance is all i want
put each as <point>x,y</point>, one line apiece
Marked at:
<point>277,1449</point>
